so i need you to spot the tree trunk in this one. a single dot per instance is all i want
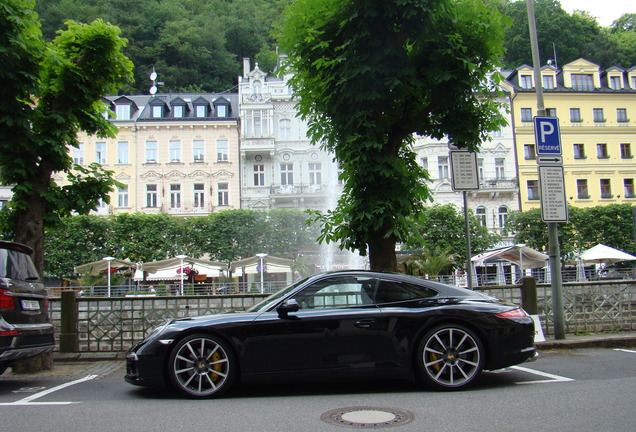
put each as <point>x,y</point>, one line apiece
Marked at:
<point>382,253</point>
<point>29,229</point>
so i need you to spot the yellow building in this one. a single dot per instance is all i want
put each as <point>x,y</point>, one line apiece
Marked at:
<point>597,117</point>
<point>173,153</point>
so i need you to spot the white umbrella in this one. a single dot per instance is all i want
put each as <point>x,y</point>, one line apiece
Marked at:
<point>605,254</point>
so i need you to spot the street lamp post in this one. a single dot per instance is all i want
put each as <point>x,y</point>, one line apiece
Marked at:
<point>181,257</point>
<point>262,257</point>
<point>108,260</point>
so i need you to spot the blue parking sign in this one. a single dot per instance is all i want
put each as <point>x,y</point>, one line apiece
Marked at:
<point>547,135</point>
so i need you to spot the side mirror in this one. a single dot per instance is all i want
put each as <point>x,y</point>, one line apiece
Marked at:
<point>290,305</point>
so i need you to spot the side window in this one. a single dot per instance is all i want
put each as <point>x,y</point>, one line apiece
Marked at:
<point>338,292</point>
<point>392,291</point>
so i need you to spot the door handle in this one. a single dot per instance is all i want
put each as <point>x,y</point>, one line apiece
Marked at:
<point>366,323</point>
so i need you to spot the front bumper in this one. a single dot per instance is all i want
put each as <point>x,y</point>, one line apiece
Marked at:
<point>146,364</point>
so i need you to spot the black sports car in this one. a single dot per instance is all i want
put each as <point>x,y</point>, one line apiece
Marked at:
<point>336,326</point>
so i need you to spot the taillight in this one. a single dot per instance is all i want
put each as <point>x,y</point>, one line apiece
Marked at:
<point>514,313</point>
<point>9,333</point>
<point>6,300</point>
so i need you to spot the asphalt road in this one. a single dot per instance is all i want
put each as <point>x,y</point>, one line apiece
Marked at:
<point>565,390</point>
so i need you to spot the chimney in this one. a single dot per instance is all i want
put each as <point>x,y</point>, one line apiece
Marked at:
<point>246,66</point>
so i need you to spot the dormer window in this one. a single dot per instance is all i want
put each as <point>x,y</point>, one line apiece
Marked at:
<point>123,112</point>
<point>615,82</point>
<point>222,107</point>
<point>548,82</point>
<point>526,81</point>
<point>584,82</point>
<point>177,111</point>
<point>201,111</point>
<point>157,111</point>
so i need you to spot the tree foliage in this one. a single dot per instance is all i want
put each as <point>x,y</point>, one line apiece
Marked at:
<point>442,227</point>
<point>52,91</point>
<point>194,45</point>
<point>368,75</point>
<point>612,225</point>
<point>569,36</point>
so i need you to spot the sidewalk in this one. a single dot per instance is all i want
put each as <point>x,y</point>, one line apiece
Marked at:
<point>600,340</point>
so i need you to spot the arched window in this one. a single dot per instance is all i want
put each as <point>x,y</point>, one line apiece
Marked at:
<point>503,216</point>
<point>481,214</point>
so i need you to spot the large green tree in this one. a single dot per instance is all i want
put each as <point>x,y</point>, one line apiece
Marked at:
<point>371,73</point>
<point>50,92</point>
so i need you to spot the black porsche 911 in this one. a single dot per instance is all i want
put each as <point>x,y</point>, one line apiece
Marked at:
<point>339,326</point>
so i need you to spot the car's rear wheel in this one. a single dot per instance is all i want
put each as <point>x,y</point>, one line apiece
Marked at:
<point>450,357</point>
<point>202,366</point>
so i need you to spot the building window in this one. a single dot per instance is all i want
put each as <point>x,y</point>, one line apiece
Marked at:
<point>223,194</point>
<point>581,189</point>
<point>626,151</point>
<point>551,112</point>
<point>481,215</point>
<point>100,153</point>
<point>122,152</point>
<point>533,189</point>
<point>500,168</point>
<point>548,82</point>
<point>151,151</point>
<point>157,111</point>
<point>598,115</point>
<point>256,123</point>
<point>526,114</point>
<point>222,150</point>
<point>526,81</point>
<point>628,187</point>
<point>424,163</point>
<point>634,83</point>
<point>315,173</point>
<point>480,168</point>
<point>621,115</point>
<point>175,196</point>
<point>175,151</point>
<point>122,196</point>
<point>606,188</point>
<point>579,151</point>
<point>601,151</point>
<point>177,111</point>
<point>151,195</point>
<point>575,115</point>
<point>259,175</point>
<point>286,174</point>
<point>497,133</point>
<point>199,195</point>
<point>221,110</point>
<point>442,167</point>
<point>201,111</point>
<point>198,150</point>
<point>284,126</point>
<point>78,154</point>
<point>615,83</point>
<point>123,112</point>
<point>529,152</point>
<point>584,82</point>
<point>503,216</point>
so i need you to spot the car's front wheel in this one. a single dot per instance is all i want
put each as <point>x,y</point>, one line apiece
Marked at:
<point>450,357</point>
<point>202,366</point>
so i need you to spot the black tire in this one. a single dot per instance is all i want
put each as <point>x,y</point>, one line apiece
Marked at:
<point>450,357</point>
<point>202,366</point>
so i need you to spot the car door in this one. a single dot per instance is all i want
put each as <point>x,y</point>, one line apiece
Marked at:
<point>335,327</point>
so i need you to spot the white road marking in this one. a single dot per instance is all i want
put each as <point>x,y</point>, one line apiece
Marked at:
<point>29,399</point>
<point>553,378</point>
<point>625,350</point>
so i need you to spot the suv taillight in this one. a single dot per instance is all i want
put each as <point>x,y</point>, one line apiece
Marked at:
<point>6,300</point>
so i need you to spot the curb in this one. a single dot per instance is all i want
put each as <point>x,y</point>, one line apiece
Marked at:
<point>595,341</point>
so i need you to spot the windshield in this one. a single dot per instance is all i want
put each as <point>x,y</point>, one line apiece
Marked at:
<point>266,303</point>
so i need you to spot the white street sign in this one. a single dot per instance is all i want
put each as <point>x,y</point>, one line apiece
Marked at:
<point>464,170</point>
<point>554,206</point>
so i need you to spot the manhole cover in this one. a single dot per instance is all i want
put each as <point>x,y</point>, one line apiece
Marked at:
<point>368,417</point>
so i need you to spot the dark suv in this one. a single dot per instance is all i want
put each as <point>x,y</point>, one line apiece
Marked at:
<point>25,328</point>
